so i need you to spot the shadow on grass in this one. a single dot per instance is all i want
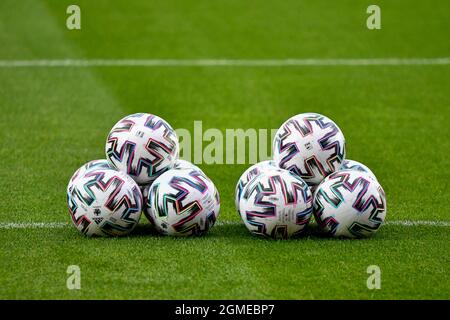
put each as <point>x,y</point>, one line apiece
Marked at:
<point>235,231</point>
<point>144,230</point>
<point>311,232</point>
<point>240,231</point>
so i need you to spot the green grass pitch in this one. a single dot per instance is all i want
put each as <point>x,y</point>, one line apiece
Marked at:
<point>395,119</point>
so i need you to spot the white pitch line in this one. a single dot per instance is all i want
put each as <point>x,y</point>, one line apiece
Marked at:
<point>56,225</point>
<point>32,225</point>
<point>412,223</point>
<point>222,62</point>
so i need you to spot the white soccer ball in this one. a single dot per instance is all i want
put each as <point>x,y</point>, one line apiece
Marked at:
<point>350,203</point>
<point>276,203</point>
<point>183,202</point>
<point>310,145</point>
<point>358,166</point>
<point>143,146</point>
<point>248,174</point>
<point>103,202</point>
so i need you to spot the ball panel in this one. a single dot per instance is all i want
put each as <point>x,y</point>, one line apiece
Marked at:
<point>184,164</point>
<point>91,165</point>
<point>358,166</point>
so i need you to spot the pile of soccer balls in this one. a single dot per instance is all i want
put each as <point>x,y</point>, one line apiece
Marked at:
<point>142,172</point>
<point>309,175</point>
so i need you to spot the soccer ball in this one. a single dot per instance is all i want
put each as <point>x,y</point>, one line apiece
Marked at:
<point>358,166</point>
<point>350,203</point>
<point>310,145</point>
<point>143,146</point>
<point>248,174</point>
<point>183,202</point>
<point>276,203</point>
<point>183,164</point>
<point>103,201</point>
